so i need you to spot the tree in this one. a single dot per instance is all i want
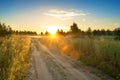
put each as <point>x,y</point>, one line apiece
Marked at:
<point>5,30</point>
<point>117,33</point>
<point>60,32</point>
<point>103,32</point>
<point>47,33</point>
<point>41,33</point>
<point>74,28</point>
<point>95,32</point>
<point>108,32</point>
<point>89,31</point>
<point>9,29</point>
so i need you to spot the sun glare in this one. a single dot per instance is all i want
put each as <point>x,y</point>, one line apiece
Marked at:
<point>53,29</point>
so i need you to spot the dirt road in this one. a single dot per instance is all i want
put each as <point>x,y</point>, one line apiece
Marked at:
<point>47,65</point>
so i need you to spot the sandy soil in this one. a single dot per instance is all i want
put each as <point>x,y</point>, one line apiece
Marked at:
<point>48,65</point>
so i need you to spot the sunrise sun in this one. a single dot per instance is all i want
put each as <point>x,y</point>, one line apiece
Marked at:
<point>53,29</point>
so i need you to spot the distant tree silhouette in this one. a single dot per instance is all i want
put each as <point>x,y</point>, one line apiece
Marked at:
<point>24,32</point>
<point>47,33</point>
<point>82,32</point>
<point>117,33</point>
<point>41,33</point>
<point>74,28</point>
<point>103,32</point>
<point>60,32</point>
<point>5,30</point>
<point>89,31</point>
<point>16,32</point>
<point>95,32</point>
<point>98,32</point>
<point>109,32</point>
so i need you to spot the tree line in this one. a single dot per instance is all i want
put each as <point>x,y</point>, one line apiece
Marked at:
<point>23,32</point>
<point>6,30</point>
<point>96,32</point>
<point>74,30</point>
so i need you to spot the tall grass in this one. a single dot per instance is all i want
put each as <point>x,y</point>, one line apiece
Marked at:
<point>14,57</point>
<point>101,53</point>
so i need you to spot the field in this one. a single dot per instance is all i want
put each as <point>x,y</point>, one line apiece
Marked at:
<point>14,57</point>
<point>59,58</point>
<point>100,53</point>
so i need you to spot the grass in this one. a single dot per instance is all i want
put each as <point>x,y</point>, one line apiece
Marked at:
<point>100,53</point>
<point>14,57</point>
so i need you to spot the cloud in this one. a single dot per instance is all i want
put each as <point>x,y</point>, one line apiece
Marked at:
<point>64,14</point>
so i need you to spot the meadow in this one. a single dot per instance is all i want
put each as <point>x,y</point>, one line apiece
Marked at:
<point>102,53</point>
<point>98,52</point>
<point>14,57</point>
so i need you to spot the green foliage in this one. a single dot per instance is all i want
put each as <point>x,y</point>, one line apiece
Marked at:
<point>5,30</point>
<point>89,31</point>
<point>102,54</point>
<point>74,28</point>
<point>96,32</point>
<point>117,33</point>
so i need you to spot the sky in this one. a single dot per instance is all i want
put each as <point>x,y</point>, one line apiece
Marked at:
<point>41,15</point>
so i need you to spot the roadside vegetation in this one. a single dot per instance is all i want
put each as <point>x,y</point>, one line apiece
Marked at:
<point>102,53</point>
<point>98,48</point>
<point>14,54</point>
<point>14,57</point>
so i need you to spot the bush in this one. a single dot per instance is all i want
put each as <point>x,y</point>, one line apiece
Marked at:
<point>14,58</point>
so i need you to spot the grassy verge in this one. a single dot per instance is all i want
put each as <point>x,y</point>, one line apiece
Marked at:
<point>103,54</point>
<point>14,57</point>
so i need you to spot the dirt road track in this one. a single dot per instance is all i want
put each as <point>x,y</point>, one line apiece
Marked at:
<point>47,65</point>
